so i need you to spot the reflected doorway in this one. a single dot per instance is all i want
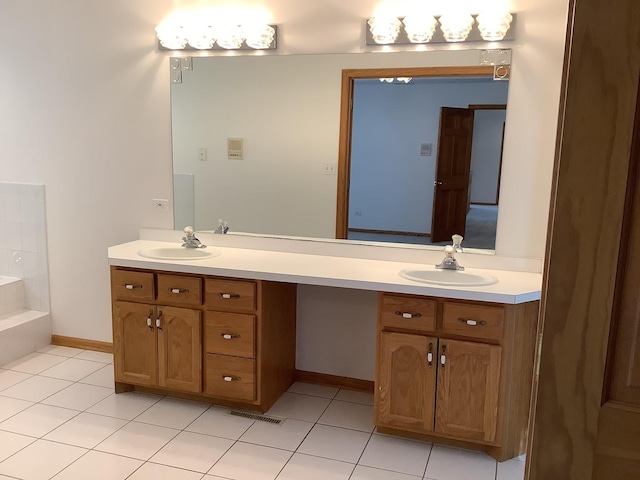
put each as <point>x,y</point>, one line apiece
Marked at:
<point>390,145</point>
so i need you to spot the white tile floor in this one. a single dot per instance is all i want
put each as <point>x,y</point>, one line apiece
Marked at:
<point>59,419</point>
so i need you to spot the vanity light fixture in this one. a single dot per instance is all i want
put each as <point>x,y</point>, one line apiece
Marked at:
<point>209,36</point>
<point>384,29</point>
<point>456,25</point>
<point>493,24</point>
<point>420,28</point>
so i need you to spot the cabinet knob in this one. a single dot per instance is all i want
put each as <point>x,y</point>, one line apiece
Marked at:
<point>179,290</point>
<point>407,314</point>
<point>443,355</point>
<point>430,355</point>
<point>131,286</point>
<point>159,321</point>
<point>229,378</point>
<point>150,320</point>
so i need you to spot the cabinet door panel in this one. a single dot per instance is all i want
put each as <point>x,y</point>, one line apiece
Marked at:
<point>406,381</point>
<point>468,388</point>
<point>134,344</point>
<point>180,349</point>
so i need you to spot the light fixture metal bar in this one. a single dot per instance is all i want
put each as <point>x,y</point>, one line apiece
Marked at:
<point>474,36</point>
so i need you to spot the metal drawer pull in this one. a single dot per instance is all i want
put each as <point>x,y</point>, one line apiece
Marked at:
<point>229,295</point>
<point>443,356</point>
<point>228,378</point>
<point>472,323</point>
<point>179,290</point>
<point>229,336</point>
<point>430,355</point>
<point>408,315</point>
<point>131,286</point>
<point>149,320</point>
<point>158,321</point>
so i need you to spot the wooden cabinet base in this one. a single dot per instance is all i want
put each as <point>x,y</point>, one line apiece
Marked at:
<point>501,454</point>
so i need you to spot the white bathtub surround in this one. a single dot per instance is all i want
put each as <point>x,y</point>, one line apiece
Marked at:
<point>23,241</point>
<point>25,322</point>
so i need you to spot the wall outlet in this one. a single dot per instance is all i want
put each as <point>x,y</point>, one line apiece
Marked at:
<point>160,203</point>
<point>330,168</point>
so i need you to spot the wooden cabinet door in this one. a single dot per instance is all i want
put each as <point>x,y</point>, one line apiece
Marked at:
<point>468,389</point>
<point>406,381</point>
<point>180,349</point>
<point>134,343</point>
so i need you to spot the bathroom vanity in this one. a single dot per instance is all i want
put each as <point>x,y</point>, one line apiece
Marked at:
<point>454,363</point>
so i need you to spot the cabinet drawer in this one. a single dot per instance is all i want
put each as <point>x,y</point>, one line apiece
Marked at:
<point>230,377</point>
<point>413,313</point>
<point>179,290</point>
<point>230,295</point>
<point>473,320</point>
<point>230,334</point>
<point>130,285</point>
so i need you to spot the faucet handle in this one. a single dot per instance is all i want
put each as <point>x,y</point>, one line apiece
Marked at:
<point>188,230</point>
<point>457,242</point>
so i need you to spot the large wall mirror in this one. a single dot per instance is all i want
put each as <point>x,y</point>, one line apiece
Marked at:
<point>256,142</point>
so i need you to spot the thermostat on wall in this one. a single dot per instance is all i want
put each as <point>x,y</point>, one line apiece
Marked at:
<point>235,148</point>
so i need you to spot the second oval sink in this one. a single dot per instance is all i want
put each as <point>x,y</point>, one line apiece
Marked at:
<point>448,277</point>
<point>178,253</point>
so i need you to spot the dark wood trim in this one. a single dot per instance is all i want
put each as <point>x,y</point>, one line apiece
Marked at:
<point>487,204</point>
<point>83,343</point>
<point>344,147</point>
<point>501,106</point>
<point>389,232</point>
<point>347,383</point>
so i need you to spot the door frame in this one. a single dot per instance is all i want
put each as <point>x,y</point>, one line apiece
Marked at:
<point>346,121</point>
<point>599,93</point>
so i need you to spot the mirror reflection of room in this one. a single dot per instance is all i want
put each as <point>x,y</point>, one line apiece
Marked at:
<point>397,165</point>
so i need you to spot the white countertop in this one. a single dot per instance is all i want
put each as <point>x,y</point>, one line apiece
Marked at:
<point>323,270</point>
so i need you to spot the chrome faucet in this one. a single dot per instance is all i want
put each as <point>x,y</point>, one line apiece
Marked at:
<point>449,261</point>
<point>190,240</point>
<point>223,227</point>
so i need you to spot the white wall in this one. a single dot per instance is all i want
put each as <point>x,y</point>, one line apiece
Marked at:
<point>486,154</point>
<point>391,184</point>
<point>85,101</point>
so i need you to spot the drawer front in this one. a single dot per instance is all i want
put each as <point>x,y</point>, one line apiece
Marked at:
<point>179,290</point>
<point>230,334</point>
<point>412,313</point>
<point>230,377</point>
<point>473,320</point>
<point>230,295</point>
<point>129,285</point>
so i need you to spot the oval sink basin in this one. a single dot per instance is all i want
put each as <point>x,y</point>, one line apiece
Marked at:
<point>178,253</point>
<point>448,277</point>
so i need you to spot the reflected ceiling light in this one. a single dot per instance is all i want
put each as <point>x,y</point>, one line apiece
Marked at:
<point>399,79</point>
<point>456,26</point>
<point>493,24</point>
<point>384,29</point>
<point>420,28</point>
